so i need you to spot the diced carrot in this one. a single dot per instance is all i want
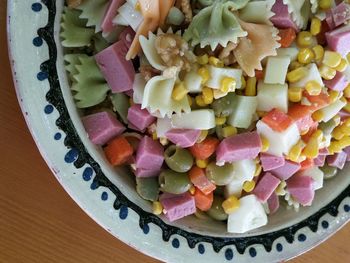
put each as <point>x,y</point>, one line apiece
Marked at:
<point>301,114</point>
<point>319,101</point>
<point>204,149</point>
<point>307,164</point>
<point>277,120</point>
<point>200,180</point>
<point>306,137</point>
<point>203,201</point>
<point>118,151</point>
<point>287,37</point>
<point>259,74</point>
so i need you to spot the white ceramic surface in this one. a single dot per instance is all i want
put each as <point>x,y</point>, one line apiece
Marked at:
<point>46,101</point>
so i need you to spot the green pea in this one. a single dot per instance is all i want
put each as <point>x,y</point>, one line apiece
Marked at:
<point>328,171</point>
<point>175,16</point>
<point>173,182</point>
<point>216,211</point>
<point>148,188</point>
<point>327,127</point>
<point>178,159</point>
<point>220,175</point>
<point>223,107</point>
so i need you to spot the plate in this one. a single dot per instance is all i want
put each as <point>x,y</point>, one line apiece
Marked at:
<point>108,195</point>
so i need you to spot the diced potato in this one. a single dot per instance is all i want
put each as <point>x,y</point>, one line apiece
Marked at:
<point>233,188</point>
<point>244,109</point>
<point>197,119</point>
<point>217,74</point>
<point>276,69</point>
<point>291,52</point>
<point>193,82</point>
<point>331,110</point>
<point>244,170</point>
<point>272,96</point>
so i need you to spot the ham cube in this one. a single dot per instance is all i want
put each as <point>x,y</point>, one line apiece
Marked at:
<point>107,21</point>
<point>282,18</point>
<point>102,127</point>
<point>127,36</point>
<point>144,173</point>
<point>338,15</point>
<point>239,147</point>
<point>118,72</point>
<point>177,206</point>
<point>337,160</point>
<point>183,137</point>
<point>339,39</point>
<point>139,118</point>
<point>266,186</point>
<point>287,170</point>
<point>316,174</point>
<point>150,154</point>
<point>347,151</point>
<point>270,162</point>
<point>301,189</point>
<point>273,203</point>
<point>338,83</point>
<point>320,160</point>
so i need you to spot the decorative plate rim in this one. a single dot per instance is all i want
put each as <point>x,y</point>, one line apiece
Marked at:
<point>48,72</point>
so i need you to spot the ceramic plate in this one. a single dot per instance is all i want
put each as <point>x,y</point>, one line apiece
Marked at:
<point>108,195</point>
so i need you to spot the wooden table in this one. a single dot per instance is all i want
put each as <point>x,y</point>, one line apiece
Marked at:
<point>38,220</point>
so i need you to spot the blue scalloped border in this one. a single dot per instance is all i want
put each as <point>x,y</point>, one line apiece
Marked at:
<point>78,155</point>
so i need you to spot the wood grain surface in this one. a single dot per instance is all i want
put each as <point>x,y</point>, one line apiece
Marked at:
<point>38,220</point>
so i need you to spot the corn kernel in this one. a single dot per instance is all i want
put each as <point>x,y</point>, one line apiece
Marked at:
<point>190,100</point>
<point>304,39</point>
<point>231,204</point>
<point>207,94</point>
<point>313,88</point>
<point>312,147</point>
<point>154,136</point>
<point>220,120</point>
<point>179,91</point>
<point>305,56</point>
<point>318,51</point>
<point>280,190</point>
<point>294,65</point>
<point>295,151</point>
<point>202,163</point>
<point>297,74</point>
<point>347,91</point>
<point>261,113</point>
<point>344,142</point>
<point>342,66</point>
<point>337,133</point>
<point>204,73</point>
<point>327,72</point>
<point>228,84</point>
<point>294,94</point>
<point>317,116</point>
<point>192,190</point>
<point>202,136</point>
<point>258,170</point>
<point>331,59</point>
<point>137,6</point>
<point>250,89</point>
<point>333,95</point>
<point>265,144</point>
<point>325,4</point>
<point>229,131</point>
<point>215,62</point>
<point>334,147</point>
<point>347,107</point>
<point>337,119</point>
<point>200,101</point>
<point>244,83</point>
<point>315,27</point>
<point>157,208</point>
<point>203,60</point>
<point>248,186</point>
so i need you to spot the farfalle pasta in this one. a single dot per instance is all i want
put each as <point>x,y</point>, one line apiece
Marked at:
<point>220,109</point>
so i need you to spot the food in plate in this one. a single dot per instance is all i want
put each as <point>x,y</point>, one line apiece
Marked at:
<point>221,109</point>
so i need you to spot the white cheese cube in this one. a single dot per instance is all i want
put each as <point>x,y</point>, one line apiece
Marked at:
<point>280,142</point>
<point>244,170</point>
<point>235,188</point>
<point>138,88</point>
<point>163,126</point>
<point>250,215</point>
<point>193,82</point>
<point>276,69</point>
<point>316,174</point>
<point>272,96</point>
<point>291,52</point>
<point>197,119</point>
<point>313,74</point>
<point>331,110</point>
<point>217,74</point>
<point>244,109</point>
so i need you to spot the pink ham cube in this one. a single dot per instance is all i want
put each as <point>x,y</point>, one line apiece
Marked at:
<point>301,188</point>
<point>320,160</point>
<point>282,18</point>
<point>339,40</point>
<point>142,173</point>
<point>338,83</point>
<point>239,147</point>
<point>266,186</point>
<point>102,127</point>
<point>347,151</point>
<point>118,72</point>
<point>337,160</point>
<point>150,154</point>
<point>270,162</point>
<point>127,36</point>
<point>183,137</point>
<point>337,15</point>
<point>177,206</point>
<point>287,170</point>
<point>273,203</point>
<point>107,21</point>
<point>138,118</point>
